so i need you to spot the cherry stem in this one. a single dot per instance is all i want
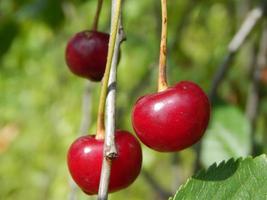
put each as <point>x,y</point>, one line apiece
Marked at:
<point>97,14</point>
<point>162,78</point>
<point>100,133</point>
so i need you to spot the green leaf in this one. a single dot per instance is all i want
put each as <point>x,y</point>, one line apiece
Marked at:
<point>236,179</point>
<point>227,137</point>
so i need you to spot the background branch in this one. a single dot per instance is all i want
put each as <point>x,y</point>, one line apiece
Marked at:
<point>176,171</point>
<point>253,98</point>
<point>239,38</point>
<point>162,193</point>
<point>246,28</point>
<point>84,126</point>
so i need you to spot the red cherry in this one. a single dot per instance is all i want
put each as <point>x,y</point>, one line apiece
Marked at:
<point>173,119</point>
<point>86,54</point>
<point>85,161</point>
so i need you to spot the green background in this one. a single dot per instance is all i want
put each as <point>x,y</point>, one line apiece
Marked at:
<point>41,101</point>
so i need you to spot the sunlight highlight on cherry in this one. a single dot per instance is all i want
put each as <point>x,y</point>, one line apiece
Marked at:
<point>173,119</point>
<point>85,157</point>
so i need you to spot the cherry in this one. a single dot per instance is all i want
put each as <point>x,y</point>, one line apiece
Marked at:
<point>86,54</point>
<point>85,161</point>
<point>173,119</point>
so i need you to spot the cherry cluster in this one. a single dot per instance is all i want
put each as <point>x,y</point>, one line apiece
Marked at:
<point>172,119</point>
<point>86,56</point>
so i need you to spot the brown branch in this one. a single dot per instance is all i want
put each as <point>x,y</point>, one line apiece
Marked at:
<point>162,193</point>
<point>253,98</point>
<point>238,40</point>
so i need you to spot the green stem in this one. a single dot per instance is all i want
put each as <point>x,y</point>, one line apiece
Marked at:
<point>100,133</point>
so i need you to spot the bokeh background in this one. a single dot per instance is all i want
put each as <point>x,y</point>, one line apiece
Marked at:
<point>41,101</point>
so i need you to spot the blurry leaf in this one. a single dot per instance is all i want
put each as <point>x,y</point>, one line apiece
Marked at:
<point>49,11</point>
<point>8,31</point>
<point>228,136</point>
<point>244,179</point>
<point>52,12</point>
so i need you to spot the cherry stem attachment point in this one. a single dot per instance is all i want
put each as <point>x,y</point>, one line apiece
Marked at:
<point>97,14</point>
<point>162,78</point>
<point>100,133</point>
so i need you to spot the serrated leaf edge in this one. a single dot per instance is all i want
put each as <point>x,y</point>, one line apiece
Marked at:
<point>240,159</point>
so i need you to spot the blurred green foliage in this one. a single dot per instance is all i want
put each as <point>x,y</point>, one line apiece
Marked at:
<point>40,100</point>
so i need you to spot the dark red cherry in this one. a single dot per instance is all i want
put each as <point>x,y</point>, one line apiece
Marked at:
<point>85,160</point>
<point>86,54</point>
<point>173,119</point>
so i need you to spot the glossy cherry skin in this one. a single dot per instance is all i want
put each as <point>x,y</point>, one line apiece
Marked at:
<point>85,157</point>
<point>86,54</point>
<point>173,119</point>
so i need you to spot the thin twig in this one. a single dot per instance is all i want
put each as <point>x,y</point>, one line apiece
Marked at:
<point>253,93</point>
<point>104,89</point>
<point>110,151</point>
<point>84,126</point>
<point>246,28</point>
<point>111,97</point>
<point>162,193</point>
